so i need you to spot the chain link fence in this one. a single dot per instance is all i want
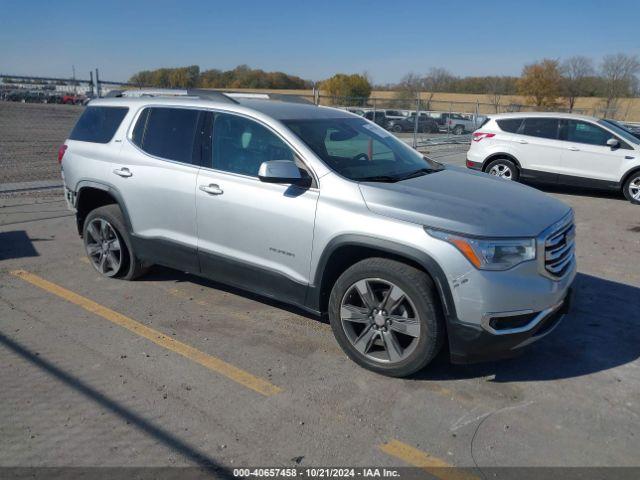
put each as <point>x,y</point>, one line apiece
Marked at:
<point>30,135</point>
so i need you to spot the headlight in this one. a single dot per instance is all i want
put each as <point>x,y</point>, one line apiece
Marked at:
<point>490,253</point>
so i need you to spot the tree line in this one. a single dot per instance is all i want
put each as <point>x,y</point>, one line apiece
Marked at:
<point>546,83</point>
<point>240,77</point>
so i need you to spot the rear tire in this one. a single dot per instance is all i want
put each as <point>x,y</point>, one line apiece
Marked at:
<point>109,248</point>
<point>458,130</point>
<point>631,188</point>
<point>503,168</point>
<point>395,327</point>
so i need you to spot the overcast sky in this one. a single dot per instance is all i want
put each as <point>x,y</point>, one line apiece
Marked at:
<point>311,39</point>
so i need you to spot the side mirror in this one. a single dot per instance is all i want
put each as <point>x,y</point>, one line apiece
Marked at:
<point>613,143</point>
<point>279,171</point>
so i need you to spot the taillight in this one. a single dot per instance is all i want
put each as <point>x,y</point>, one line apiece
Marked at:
<point>61,150</point>
<point>477,136</point>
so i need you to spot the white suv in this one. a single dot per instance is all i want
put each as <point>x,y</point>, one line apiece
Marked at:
<point>558,148</point>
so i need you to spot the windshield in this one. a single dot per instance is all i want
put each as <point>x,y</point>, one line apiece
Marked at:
<point>360,150</point>
<point>623,132</point>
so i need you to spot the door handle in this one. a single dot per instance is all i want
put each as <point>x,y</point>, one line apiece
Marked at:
<point>573,149</point>
<point>522,141</point>
<point>123,172</point>
<point>211,189</point>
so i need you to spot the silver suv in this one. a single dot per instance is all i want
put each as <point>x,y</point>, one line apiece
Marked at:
<point>320,208</point>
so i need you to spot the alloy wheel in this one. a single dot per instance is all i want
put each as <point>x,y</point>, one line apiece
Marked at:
<point>103,247</point>
<point>380,320</point>
<point>634,188</point>
<point>502,171</point>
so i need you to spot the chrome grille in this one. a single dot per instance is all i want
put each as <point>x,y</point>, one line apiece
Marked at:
<point>559,250</point>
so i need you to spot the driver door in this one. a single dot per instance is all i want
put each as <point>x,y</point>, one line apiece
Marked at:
<point>257,236</point>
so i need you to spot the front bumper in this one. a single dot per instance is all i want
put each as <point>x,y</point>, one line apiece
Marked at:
<point>470,343</point>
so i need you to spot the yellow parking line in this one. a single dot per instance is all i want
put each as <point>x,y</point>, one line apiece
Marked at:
<point>417,458</point>
<point>212,363</point>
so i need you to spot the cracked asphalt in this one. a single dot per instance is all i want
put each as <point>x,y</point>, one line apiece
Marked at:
<point>80,386</point>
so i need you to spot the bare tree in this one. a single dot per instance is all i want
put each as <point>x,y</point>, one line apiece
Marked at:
<point>619,73</point>
<point>496,87</point>
<point>438,80</point>
<point>408,90</point>
<point>574,71</point>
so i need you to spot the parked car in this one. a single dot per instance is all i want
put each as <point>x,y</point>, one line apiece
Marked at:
<point>457,123</point>
<point>426,124</point>
<point>377,116</point>
<point>395,114</point>
<point>558,148</point>
<point>320,208</point>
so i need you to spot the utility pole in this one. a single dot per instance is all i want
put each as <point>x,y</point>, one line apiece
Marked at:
<point>98,93</point>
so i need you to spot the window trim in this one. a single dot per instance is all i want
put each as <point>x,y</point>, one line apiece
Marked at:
<point>314,178</point>
<point>623,143</point>
<point>134,121</point>
<point>315,183</point>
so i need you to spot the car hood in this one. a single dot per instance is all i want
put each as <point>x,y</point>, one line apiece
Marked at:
<point>467,202</point>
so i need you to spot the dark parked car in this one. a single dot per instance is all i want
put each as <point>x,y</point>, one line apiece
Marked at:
<point>426,124</point>
<point>377,116</point>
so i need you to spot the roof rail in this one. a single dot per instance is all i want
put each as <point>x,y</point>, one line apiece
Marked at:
<point>213,95</point>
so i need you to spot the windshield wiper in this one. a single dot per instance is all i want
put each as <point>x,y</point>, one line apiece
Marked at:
<point>379,178</point>
<point>416,173</point>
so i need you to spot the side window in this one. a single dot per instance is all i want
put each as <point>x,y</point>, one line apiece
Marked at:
<point>584,132</point>
<point>167,132</point>
<point>511,125</point>
<point>98,124</point>
<point>241,145</point>
<point>541,127</point>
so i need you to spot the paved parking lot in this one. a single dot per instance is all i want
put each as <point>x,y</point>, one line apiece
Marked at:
<point>176,370</point>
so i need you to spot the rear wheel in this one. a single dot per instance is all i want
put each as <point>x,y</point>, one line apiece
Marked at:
<point>385,316</point>
<point>458,130</point>
<point>503,168</point>
<point>108,244</point>
<point>631,188</point>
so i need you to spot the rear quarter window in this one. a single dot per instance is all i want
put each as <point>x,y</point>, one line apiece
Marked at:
<point>511,125</point>
<point>98,124</point>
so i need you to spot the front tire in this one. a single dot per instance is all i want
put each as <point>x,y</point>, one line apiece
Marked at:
<point>631,188</point>
<point>458,130</point>
<point>386,317</point>
<point>503,168</point>
<point>108,244</point>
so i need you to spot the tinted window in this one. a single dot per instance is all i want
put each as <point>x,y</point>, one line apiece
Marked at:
<point>585,132</point>
<point>98,124</point>
<point>241,145</point>
<point>541,127</point>
<point>169,133</point>
<point>510,125</point>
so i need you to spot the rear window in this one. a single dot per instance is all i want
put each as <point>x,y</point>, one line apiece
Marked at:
<point>98,124</point>
<point>167,132</point>
<point>541,127</point>
<point>511,125</point>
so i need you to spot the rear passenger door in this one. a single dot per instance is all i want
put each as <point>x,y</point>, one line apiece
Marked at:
<point>255,235</point>
<point>157,179</point>
<point>538,148</point>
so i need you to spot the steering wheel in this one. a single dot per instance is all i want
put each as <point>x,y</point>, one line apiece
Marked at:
<point>361,155</point>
